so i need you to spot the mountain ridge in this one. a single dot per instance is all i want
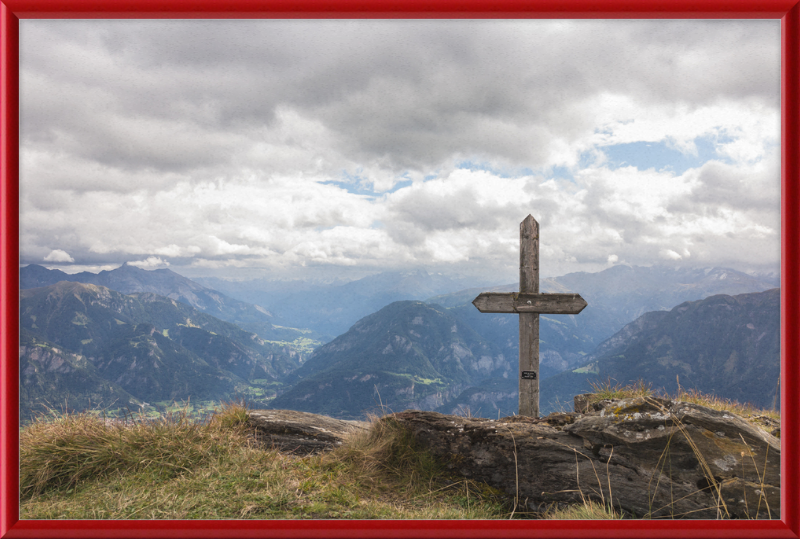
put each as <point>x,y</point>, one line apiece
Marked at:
<point>616,296</point>
<point>153,347</point>
<point>406,354</point>
<point>724,345</point>
<point>129,279</point>
<point>332,308</point>
<point>570,344</point>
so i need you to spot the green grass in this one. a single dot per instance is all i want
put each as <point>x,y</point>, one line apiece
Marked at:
<point>588,510</point>
<point>192,410</point>
<point>588,369</point>
<point>762,417</point>
<point>265,382</point>
<point>417,379</point>
<point>170,466</point>
<point>767,420</point>
<point>304,345</point>
<point>604,390</point>
<point>83,467</point>
<point>301,330</point>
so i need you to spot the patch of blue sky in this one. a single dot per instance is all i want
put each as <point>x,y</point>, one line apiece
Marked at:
<point>359,185</point>
<point>661,156</point>
<point>501,172</point>
<point>399,185</point>
<point>561,173</point>
<point>586,159</point>
<point>352,186</point>
<point>771,145</point>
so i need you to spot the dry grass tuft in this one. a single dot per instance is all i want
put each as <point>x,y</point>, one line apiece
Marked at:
<point>640,388</point>
<point>384,447</point>
<point>762,418</point>
<point>60,451</point>
<point>79,466</point>
<point>588,510</point>
<point>83,467</point>
<point>604,390</point>
<point>743,410</point>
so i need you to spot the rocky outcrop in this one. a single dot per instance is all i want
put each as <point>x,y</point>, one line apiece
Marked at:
<point>648,457</point>
<point>301,433</point>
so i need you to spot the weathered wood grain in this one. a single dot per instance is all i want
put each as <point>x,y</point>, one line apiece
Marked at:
<point>513,302</point>
<point>529,303</point>
<point>529,322</point>
<point>529,255</point>
<point>529,361</point>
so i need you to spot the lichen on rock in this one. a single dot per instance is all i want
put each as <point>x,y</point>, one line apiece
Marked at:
<point>652,457</point>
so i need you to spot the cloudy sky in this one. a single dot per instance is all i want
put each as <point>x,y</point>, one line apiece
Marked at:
<point>312,148</point>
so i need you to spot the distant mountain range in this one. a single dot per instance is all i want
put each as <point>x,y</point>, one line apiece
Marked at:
<point>51,377</point>
<point>403,356</point>
<point>331,309</point>
<point>138,347</point>
<point>407,355</point>
<point>723,345</point>
<point>728,346</point>
<point>164,282</point>
<point>171,338</point>
<point>616,297</point>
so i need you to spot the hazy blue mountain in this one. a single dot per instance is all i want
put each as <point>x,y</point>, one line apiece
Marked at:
<point>129,280</point>
<point>52,378</point>
<point>616,296</point>
<point>152,347</point>
<point>563,340</point>
<point>407,355</point>
<point>400,353</point>
<point>83,318</point>
<point>493,398</point>
<point>331,308</point>
<point>630,291</point>
<point>725,345</point>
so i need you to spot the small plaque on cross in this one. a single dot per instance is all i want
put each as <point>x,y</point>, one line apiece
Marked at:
<point>529,303</point>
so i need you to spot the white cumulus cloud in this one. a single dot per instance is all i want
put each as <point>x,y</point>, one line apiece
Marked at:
<point>151,262</point>
<point>322,145</point>
<point>57,255</point>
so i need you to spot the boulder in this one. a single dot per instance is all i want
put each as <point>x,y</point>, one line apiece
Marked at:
<point>300,433</point>
<point>647,457</point>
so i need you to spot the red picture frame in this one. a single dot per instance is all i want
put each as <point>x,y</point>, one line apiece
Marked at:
<point>788,11</point>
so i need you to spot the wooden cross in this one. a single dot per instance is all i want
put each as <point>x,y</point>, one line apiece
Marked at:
<point>529,303</point>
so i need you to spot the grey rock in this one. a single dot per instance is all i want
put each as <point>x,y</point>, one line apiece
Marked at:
<point>648,457</point>
<point>301,433</point>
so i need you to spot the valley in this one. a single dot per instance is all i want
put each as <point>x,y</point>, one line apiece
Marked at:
<point>153,340</point>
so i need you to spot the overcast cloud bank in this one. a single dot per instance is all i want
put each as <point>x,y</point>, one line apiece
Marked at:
<point>290,148</point>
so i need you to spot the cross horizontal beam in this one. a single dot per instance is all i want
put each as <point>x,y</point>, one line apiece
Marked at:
<point>516,302</point>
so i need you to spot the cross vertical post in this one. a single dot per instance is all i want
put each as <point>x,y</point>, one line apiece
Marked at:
<point>529,303</point>
<point>529,322</point>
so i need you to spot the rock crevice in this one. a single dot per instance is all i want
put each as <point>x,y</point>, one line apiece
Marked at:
<point>648,457</point>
